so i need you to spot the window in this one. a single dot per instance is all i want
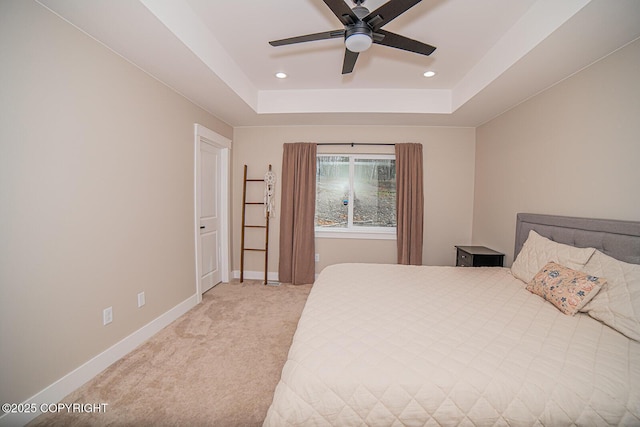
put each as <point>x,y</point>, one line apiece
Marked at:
<point>356,196</point>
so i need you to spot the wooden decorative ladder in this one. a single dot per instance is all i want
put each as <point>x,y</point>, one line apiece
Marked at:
<point>245,226</point>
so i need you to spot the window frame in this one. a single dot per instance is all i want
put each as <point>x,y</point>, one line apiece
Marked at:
<point>351,231</point>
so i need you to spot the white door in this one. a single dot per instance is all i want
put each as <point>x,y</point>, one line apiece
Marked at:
<point>210,213</point>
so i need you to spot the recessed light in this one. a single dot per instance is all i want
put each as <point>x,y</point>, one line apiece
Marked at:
<point>281,75</point>
<point>429,73</point>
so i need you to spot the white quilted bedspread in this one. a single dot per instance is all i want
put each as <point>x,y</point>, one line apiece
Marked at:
<point>391,345</point>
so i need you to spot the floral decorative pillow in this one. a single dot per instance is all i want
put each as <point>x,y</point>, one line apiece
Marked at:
<point>567,289</point>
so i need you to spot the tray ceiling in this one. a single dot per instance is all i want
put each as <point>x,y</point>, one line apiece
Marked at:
<point>491,55</point>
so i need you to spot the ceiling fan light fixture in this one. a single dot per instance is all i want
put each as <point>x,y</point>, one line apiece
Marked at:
<point>358,37</point>
<point>358,42</point>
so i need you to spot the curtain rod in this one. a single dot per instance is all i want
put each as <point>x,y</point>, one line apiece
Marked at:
<point>350,143</point>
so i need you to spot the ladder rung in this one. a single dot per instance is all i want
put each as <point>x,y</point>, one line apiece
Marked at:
<point>256,226</point>
<point>251,249</point>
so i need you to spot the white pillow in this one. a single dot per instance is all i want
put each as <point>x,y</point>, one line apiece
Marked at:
<point>618,303</point>
<point>537,251</point>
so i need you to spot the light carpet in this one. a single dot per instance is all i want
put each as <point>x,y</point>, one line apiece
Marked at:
<point>217,365</point>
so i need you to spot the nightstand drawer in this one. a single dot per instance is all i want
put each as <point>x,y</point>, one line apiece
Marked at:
<point>464,259</point>
<point>478,256</point>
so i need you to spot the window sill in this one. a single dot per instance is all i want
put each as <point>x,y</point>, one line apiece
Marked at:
<point>356,234</point>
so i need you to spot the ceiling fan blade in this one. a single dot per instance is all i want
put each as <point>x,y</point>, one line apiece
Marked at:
<point>401,42</point>
<point>308,38</point>
<point>349,61</point>
<point>388,12</point>
<point>342,11</point>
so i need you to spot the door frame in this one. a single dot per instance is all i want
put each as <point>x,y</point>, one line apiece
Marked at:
<point>204,135</point>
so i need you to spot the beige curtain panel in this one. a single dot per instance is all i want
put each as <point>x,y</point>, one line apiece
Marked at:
<point>297,212</point>
<point>409,203</point>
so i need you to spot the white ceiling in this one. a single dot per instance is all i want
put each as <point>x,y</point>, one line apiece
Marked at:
<point>490,56</point>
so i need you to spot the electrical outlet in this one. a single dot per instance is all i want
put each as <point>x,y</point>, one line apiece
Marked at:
<point>317,257</point>
<point>141,299</point>
<point>107,315</point>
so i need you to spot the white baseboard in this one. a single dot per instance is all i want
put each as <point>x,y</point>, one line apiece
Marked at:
<point>259,275</point>
<point>256,275</point>
<point>55,392</point>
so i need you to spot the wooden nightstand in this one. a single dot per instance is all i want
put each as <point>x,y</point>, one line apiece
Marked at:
<point>478,256</point>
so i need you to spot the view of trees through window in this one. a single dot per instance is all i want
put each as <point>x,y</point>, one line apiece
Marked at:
<point>355,191</point>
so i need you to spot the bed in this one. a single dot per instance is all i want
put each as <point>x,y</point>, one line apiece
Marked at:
<point>394,345</point>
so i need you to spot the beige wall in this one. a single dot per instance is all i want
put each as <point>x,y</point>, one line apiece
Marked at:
<point>448,170</point>
<point>572,150</point>
<point>96,197</point>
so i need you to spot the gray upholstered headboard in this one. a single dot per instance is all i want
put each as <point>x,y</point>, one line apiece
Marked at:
<point>618,239</point>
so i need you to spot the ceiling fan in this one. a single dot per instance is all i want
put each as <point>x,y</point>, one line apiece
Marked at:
<point>362,28</point>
